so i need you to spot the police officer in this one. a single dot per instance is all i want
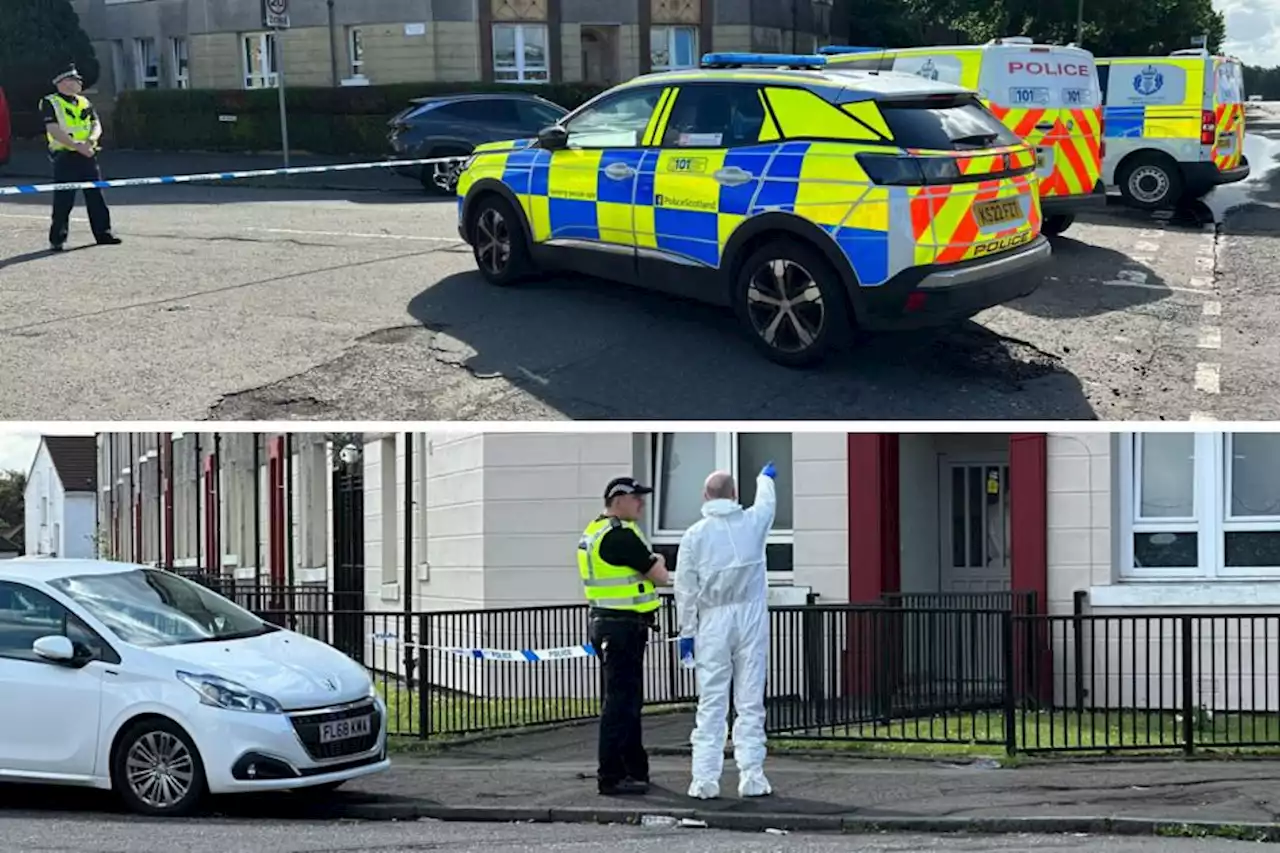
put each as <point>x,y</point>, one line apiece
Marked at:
<point>72,129</point>
<point>619,573</point>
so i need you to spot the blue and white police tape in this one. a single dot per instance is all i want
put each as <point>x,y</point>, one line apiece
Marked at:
<point>586,650</point>
<point>31,189</point>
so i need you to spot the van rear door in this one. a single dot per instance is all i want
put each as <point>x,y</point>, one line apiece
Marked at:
<point>1050,97</point>
<point>1229,110</point>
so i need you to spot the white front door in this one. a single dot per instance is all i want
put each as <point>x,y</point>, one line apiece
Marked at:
<point>974,491</point>
<point>49,713</point>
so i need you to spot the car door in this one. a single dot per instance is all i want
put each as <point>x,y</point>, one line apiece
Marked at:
<point>589,185</point>
<point>50,713</point>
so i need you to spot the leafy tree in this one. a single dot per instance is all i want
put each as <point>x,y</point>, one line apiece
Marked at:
<point>13,487</point>
<point>39,38</point>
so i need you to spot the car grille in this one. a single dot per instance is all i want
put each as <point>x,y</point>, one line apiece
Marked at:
<point>308,728</point>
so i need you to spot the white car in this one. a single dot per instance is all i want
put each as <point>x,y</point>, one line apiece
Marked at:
<point>133,679</point>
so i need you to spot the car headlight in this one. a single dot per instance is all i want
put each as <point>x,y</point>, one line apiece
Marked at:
<point>221,693</point>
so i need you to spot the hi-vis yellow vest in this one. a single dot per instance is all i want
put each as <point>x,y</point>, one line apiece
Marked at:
<point>74,118</point>
<point>606,585</point>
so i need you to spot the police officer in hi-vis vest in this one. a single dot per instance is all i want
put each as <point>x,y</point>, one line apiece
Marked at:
<point>72,129</point>
<point>619,574</point>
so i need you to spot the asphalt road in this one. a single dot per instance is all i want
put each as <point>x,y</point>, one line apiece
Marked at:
<point>231,302</point>
<point>99,835</point>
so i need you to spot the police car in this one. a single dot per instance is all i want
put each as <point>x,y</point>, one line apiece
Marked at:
<point>809,200</point>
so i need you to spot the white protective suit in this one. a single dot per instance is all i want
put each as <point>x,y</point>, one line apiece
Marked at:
<point>722,592</point>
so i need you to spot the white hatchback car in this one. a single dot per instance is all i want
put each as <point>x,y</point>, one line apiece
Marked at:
<point>123,677</point>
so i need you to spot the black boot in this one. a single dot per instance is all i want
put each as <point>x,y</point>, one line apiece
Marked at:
<point>109,240</point>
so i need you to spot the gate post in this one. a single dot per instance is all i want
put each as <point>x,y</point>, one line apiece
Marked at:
<point>1010,698</point>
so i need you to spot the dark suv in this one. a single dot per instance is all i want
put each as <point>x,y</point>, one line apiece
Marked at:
<point>453,125</point>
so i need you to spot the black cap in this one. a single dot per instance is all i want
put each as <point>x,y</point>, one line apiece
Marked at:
<point>625,486</point>
<point>70,74</point>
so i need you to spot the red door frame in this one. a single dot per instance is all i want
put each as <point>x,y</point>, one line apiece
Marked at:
<point>213,551</point>
<point>166,459</point>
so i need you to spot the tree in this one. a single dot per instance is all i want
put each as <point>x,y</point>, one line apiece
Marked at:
<point>38,39</point>
<point>13,488</point>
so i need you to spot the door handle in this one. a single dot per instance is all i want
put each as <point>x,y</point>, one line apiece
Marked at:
<point>733,176</point>
<point>1046,126</point>
<point>619,171</point>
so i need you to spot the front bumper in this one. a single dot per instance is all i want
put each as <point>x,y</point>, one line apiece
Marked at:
<point>939,294</point>
<point>271,752</point>
<point>1066,205</point>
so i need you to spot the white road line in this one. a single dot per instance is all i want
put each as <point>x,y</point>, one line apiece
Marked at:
<point>1202,417</point>
<point>290,231</point>
<point>1208,378</point>
<point>1141,260</point>
<point>1202,283</point>
<point>1162,288</point>
<point>1212,309</point>
<point>1210,338</point>
<point>1146,246</point>
<point>1151,233</point>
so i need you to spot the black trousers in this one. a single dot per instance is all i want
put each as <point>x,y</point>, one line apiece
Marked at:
<point>69,167</point>
<point>620,642</point>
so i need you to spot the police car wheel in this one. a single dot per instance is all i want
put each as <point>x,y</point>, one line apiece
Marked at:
<point>498,242</point>
<point>1151,182</point>
<point>156,769</point>
<point>792,303</point>
<point>1058,223</point>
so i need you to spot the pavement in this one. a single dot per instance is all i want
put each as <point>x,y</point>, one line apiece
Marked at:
<point>549,777</point>
<point>233,302</point>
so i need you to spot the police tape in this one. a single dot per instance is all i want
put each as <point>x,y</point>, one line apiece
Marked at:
<point>30,189</point>
<point>586,650</point>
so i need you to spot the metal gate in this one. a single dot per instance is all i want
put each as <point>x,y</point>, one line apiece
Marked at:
<point>348,555</point>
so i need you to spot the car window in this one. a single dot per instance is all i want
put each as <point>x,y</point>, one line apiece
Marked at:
<point>715,117</point>
<point>960,124</point>
<point>533,114</point>
<point>150,607</point>
<point>27,614</point>
<point>487,110</point>
<point>619,121</point>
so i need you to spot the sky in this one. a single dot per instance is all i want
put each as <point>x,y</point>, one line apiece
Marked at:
<point>1253,30</point>
<point>18,450</point>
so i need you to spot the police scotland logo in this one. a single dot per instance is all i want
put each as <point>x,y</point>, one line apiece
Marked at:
<point>1148,81</point>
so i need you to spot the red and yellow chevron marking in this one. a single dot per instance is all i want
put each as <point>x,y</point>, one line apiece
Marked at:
<point>947,231</point>
<point>1230,120</point>
<point>1077,161</point>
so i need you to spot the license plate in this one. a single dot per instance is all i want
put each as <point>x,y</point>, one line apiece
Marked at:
<point>997,212</point>
<point>346,729</point>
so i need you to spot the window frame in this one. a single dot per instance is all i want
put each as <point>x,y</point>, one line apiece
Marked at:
<point>270,77</point>
<point>612,97</point>
<point>1211,523</point>
<point>521,68</point>
<point>145,80</point>
<point>727,459</point>
<point>671,30</point>
<point>355,52</point>
<point>109,654</point>
<point>679,91</point>
<point>180,56</point>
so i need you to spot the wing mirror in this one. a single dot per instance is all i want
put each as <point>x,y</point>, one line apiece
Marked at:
<point>553,138</point>
<point>55,649</point>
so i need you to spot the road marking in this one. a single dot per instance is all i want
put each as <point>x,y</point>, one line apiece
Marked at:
<point>1151,233</point>
<point>1212,309</point>
<point>1210,338</point>
<point>1141,260</point>
<point>1202,283</point>
<point>1146,246</point>
<point>1202,417</point>
<point>1160,288</point>
<point>289,231</point>
<point>1208,378</point>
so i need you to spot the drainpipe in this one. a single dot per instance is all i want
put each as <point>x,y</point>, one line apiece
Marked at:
<point>333,45</point>
<point>407,592</point>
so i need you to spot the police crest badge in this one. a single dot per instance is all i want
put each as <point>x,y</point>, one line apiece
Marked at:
<point>1148,81</point>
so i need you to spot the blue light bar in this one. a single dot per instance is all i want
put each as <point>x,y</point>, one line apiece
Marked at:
<point>762,60</point>
<point>843,49</point>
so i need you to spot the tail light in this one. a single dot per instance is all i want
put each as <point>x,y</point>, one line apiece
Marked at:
<point>903,171</point>
<point>1208,127</point>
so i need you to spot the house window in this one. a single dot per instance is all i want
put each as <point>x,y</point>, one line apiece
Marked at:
<point>147,62</point>
<point>181,63</point>
<point>261,62</point>
<point>673,47</point>
<point>389,506</point>
<point>119,68</point>
<point>355,51</point>
<point>1201,506</point>
<point>680,465</point>
<point>520,53</point>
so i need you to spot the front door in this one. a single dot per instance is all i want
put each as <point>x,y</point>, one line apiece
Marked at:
<point>348,552</point>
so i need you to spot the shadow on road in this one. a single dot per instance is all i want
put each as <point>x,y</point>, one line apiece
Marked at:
<point>27,257</point>
<point>1074,287</point>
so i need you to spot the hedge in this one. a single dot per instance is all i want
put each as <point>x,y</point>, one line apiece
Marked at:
<point>340,121</point>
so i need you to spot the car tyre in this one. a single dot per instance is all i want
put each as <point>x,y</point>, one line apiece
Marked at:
<point>156,769</point>
<point>498,241</point>
<point>1151,182</point>
<point>1057,224</point>
<point>792,303</point>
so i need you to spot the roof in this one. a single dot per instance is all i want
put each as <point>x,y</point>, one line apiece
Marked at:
<point>480,96</point>
<point>45,569</point>
<point>835,83</point>
<point>76,459</point>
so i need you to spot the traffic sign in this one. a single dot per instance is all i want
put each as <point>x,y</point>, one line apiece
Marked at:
<point>275,14</point>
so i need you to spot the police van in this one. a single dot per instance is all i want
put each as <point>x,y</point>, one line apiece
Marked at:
<point>1174,125</point>
<point>1046,94</point>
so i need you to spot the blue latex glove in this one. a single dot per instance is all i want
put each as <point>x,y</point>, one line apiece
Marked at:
<point>769,471</point>
<point>685,647</point>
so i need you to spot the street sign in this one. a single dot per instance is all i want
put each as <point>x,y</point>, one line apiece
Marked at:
<point>1200,41</point>
<point>275,14</point>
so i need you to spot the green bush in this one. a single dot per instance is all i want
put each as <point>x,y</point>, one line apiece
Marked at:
<point>341,121</point>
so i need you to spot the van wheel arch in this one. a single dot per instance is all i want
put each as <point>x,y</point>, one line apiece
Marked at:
<point>1153,156</point>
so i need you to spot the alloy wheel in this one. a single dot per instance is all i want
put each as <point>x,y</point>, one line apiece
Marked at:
<point>160,770</point>
<point>785,306</point>
<point>1149,184</point>
<point>493,241</point>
